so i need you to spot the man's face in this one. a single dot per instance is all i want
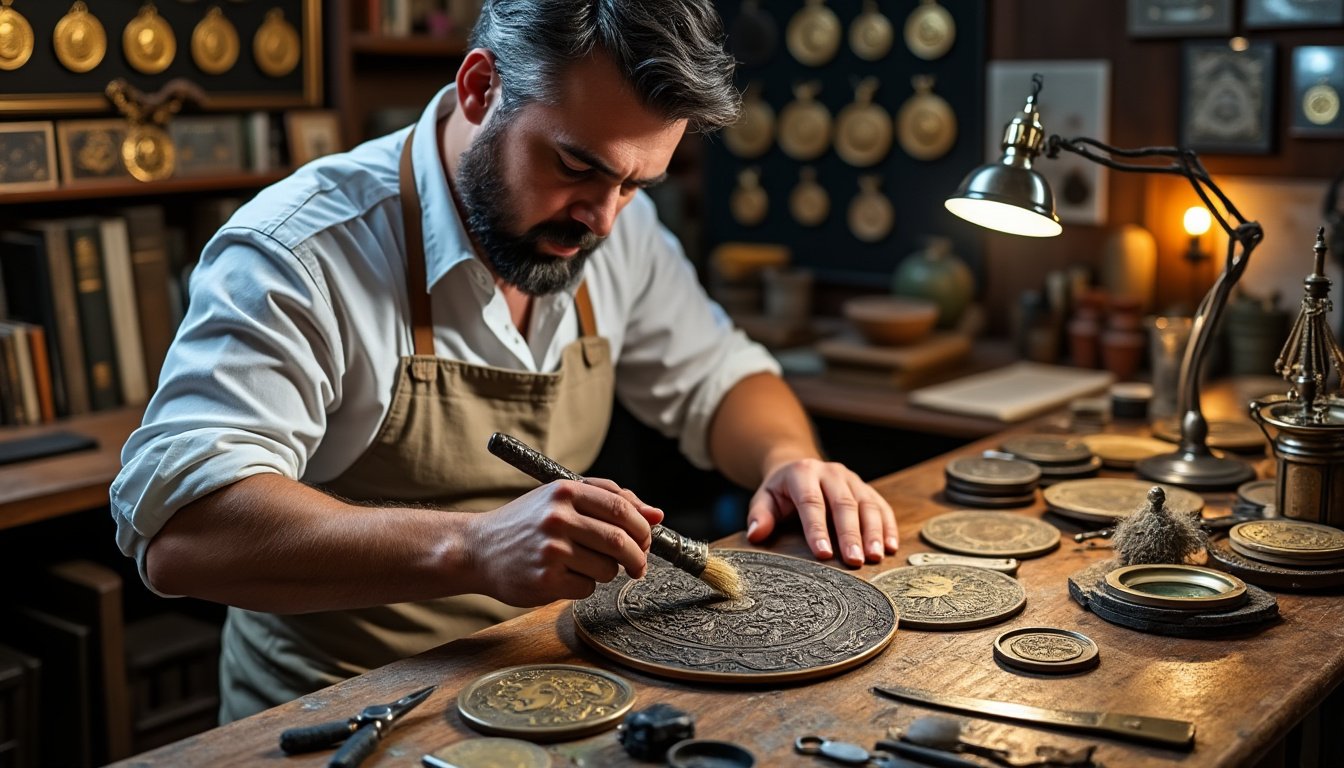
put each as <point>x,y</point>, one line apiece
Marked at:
<point>542,187</point>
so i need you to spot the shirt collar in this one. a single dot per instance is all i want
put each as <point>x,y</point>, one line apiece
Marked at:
<point>446,241</point>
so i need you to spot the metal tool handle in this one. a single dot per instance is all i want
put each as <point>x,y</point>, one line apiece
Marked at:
<point>925,755</point>
<point>1154,730</point>
<point>356,748</point>
<point>311,737</point>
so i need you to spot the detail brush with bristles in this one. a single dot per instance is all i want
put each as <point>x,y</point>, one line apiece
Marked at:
<point>689,555</point>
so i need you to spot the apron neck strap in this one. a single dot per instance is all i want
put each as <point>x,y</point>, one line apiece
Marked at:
<point>417,283</point>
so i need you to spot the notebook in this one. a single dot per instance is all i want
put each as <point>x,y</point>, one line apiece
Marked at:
<point>1014,392</point>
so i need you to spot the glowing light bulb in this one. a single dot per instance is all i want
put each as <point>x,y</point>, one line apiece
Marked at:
<point>1197,220</point>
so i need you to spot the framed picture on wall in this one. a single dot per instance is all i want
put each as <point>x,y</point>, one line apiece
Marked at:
<point>27,156</point>
<point>91,150</point>
<point>1075,101</point>
<point>1274,14</point>
<point>1227,98</point>
<point>208,144</point>
<point>1179,18</point>
<point>312,134</point>
<point>1318,83</point>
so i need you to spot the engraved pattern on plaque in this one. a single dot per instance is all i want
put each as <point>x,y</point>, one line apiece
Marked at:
<point>799,618</point>
<point>1047,647</point>
<point>546,697</point>
<point>1292,536</point>
<point>990,533</point>
<point>951,596</point>
<point>1105,498</point>
<point>993,471</point>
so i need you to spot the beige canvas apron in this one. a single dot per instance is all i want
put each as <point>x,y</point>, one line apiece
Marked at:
<point>429,450</point>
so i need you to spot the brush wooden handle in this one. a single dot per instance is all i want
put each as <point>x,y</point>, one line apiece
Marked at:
<point>687,554</point>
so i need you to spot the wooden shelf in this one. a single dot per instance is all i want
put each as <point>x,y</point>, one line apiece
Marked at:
<point>413,46</point>
<point>184,185</point>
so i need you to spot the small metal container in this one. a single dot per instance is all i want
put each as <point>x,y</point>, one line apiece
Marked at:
<point>1309,455</point>
<point>1185,587</point>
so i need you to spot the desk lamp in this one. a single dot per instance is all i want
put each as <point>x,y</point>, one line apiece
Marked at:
<point>1011,197</point>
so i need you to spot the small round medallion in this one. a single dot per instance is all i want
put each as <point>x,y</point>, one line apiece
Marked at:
<point>754,132</point>
<point>814,32</point>
<point>276,45</point>
<point>870,34</point>
<point>546,702</point>
<point>1288,542</point>
<point>1122,451</point>
<point>925,124</point>
<point>1184,587</point>
<point>748,203</point>
<point>951,596</point>
<point>1105,500</point>
<point>871,215</point>
<point>808,202</point>
<point>214,43</point>
<point>1046,649</point>
<point>1047,450</point>
<point>148,152</point>
<point>805,125</point>
<point>1257,493</point>
<point>1320,104</point>
<point>79,39</point>
<point>148,41</point>
<point>978,471</point>
<point>990,534</point>
<point>930,30</point>
<point>16,38</point>
<point>863,129</point>
<point>494,753</point>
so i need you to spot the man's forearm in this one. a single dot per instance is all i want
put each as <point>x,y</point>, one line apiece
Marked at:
<point>759,425</point>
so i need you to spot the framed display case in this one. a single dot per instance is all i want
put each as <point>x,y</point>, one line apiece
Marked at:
<point>1227,98</point>
<point>27,156</point>
<point>1318,82</point>
<point>1179,18</point>
<point>1276,14</point>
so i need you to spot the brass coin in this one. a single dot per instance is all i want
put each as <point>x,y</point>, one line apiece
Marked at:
<point>1105,500</point>
<point>813,35</point>
<point>748,203</point>
<point>863,129</point>
<point>925,123</point>
<point>546,702</point>
<point>930,30</point>
<point>754,132</point>
<point>1225,434</point>
<point>1258,493</point>
<point>990,534</point>
<point>808,202</point>
<point>871,215</point>
<point>1295,540</point>
<point>148,41</point>
<point>79,39</point>
<point>804,126</point>
<point>148,152</point>
<point>16,38</point>
<point>1123,451</point>
<point>870,34</point>
<point>1046,649</point>
<point>1047,450</point>
<point>951,596</point>
<point>1320,104</point>
<point>494,753</point>
<point>214,43</point>
<point>276,45</point>
<point>1273,575</point>
<point>978,470</point>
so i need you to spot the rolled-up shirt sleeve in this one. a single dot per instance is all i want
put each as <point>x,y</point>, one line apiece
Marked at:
<point>681,352</point>
<point>244,390</point>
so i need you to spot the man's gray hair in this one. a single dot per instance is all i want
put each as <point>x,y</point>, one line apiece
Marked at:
<point>670,51</point>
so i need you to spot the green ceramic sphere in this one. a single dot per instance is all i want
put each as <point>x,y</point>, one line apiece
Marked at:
<point>936,274</point>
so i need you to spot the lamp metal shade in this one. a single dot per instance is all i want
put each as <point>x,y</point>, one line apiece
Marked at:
<point>1007,198</point>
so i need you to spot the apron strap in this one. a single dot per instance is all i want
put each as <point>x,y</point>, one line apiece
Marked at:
<point>584,304</point>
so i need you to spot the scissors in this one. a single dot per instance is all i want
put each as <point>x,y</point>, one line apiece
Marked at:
<point>360,733</point>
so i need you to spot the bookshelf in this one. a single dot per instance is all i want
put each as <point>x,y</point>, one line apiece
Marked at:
<point>239,182</point>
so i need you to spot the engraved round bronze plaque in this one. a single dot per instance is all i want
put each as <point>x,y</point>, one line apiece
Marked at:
<point>800,619</point>
<point>1105,500</point>
<point>808,202</point>
<point>1258,493</point>
<point>1228,435</point>
<point>990,534</point>
<point>275,47</point>
<point>930,30</point>
<point>79,39</point>
<point>871,35</point>
<point>16,38</point>
<point>494,753</point>
<point>1273,575</point>
<point>1047,449</point>
<point>813,34</point>
<point>214,43</point>
<point>148,41</point>
<point>951,596</point>
<point>804,125</point>
<point>976,471</point>
<point>1123,451</point>
<point>1046,649</point>
<point>1289,542</point>
<point>546,702</point>
<point>925,123</point>
<point>871,214</point>
<point>148,152</point>
<point>754,132</point>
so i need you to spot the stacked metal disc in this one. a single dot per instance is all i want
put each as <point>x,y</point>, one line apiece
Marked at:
<point>1291,543</point>
<point>1059,457</point>
<point>991,483</point>
<point>1255,499</point>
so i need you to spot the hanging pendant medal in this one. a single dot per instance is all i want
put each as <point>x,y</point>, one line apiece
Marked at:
<point>79,39</point>
<point>871,215</point>
<point>148,41</point>
<point>214,43</point>
<point>1320,104</point>
<point>925,124</point>
<point>870,35</point>
<point>814,34</point>
<point>148,152</point>
<point>863,129</point>
<point>805,124</point>
<point>748,202</point>
<point>754,132</point>
<point>276,45</point>
<point>808,202</point>
<point>930,30</point>
<point>754,35</point>
<point>16,38</point>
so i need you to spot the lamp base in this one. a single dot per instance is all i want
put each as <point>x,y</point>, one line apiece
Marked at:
<point>1198,471</point>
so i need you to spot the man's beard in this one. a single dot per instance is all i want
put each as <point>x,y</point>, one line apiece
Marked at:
<point>515,258</point>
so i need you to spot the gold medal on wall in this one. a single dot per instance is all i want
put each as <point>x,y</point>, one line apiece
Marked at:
<point>148,41</point>
<point>276,45</point>
<point>813,36</point>
<point>925,124</point>
<point>80,40</point>
<point>754,131</point>
<point>930,30</point>
<point>870,34</point>
<point>148,152</point>
<point>805,124</point>
<point>16,37</point>
<point>871,215</point>
<point>808,202</point>
<point>863,129</point>
<point>214,43</point>
<point>1320,104</point>
<point>749,203</point>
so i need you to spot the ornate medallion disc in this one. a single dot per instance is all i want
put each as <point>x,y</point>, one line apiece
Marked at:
<point>800,619</point>
<point>748,202</point>
<point>1295,541</point>
<point>1123,451</point>
<point>214,43</point>
<point>1320,104</point>
<point>979,471</point>
<point>1046,649</point>
<point>992,534</point>
<point>804,126</point>
<point>813,35</point>
<point>930,30</point>
<point>1047,449</point>
<point>148,41</point>
<point>951,596</point>
<point>494,753</point>
<point>546,702</point>
<point>863,129</point>
<point>871,215</point>
<point>1228,435</point>
<point>16,38</point>
<point>808,202</point>
<point>148,153</point>
<point>1259,493</point>
<point>276,45</point>
<point>754,131</point>
<point>79,39</point>
<point>1105,500</point>
<point>925,124</point>
<point>870,34</point>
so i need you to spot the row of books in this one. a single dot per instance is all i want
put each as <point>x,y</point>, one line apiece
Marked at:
<point>88,307</point>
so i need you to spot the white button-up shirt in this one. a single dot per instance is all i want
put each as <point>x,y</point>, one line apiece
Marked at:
<point>286,359</point>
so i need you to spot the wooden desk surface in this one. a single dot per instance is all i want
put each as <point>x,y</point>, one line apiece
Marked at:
<point>1243,691</point>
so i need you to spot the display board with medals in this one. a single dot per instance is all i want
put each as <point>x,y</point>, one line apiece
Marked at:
<point>58,56</point>
<point>859,117</point>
